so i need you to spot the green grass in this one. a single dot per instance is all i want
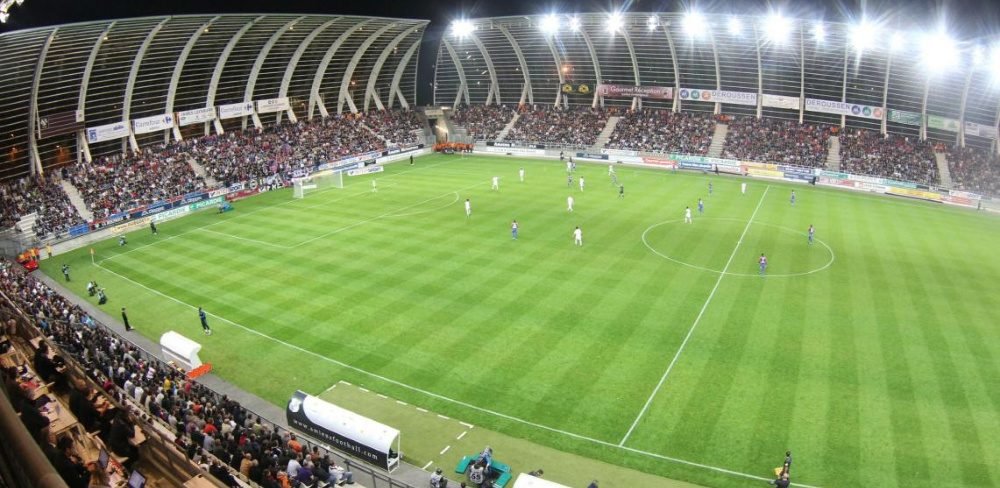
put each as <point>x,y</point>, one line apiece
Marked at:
<point>878,369</point>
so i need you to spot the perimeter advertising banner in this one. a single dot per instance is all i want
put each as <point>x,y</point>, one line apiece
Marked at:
<point>780,101</point>
<point>59,124</point>
<point>107,132</point>
<point>718,96</point>
<point>272,105</point>
<point>974,129</point>
<point>904,117</point>
<point>196,116</point>
<point>146,125</point>
<point>629,91</point>
<point>233,110</point>
<point>942,123</point>
<point>844,108</point>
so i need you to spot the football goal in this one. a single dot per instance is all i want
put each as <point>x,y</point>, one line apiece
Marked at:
<point>316,182</point>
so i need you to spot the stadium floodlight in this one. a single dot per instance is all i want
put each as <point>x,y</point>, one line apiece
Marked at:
<point>550,24</point>
<point>462,28</point>
<point>978,56</point>
<point>819,32</point>
<point>574,24</point>
<point>735,26</point>
<point>995,63</point>
<point>777,28</point>
<point>653,22</point>
<point>939,52</point>
<point>695,25</point>
<point>897,41</point>
<point>615,22</point>
<point>3,17</point>
<point>863,35</point>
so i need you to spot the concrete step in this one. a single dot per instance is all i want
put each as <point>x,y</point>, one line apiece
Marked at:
<point>833,158</point>
<point>605,134</point>
<point>77,200</point>
<point>718,140</point>
<point>200,171</point>
<point>944,172</point>
<point>510,125</point>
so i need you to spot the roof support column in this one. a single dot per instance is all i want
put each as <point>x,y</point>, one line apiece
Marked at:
<point>463,86</point>
<point>217,73</point>
<point>961,110</point>
<point>923,109</point>
<point>36,159</point>
<point>370,93</point>
<point>286,80</point>
<point>843,95</point>
<point>345,84</point>
<point>558,62</point>
<point>258,64</point>
<point>598,99</point>
<point>132,75</point>
<point>677,71</point>
<point>526,94</point>
<point>175,77</point>
<point>315,100</point>
<point>760,72</point>
<point>885,94</point>
<point>494,92</point>
<point>394,87</point>
<point>81,103</point>
<point>636,101</point>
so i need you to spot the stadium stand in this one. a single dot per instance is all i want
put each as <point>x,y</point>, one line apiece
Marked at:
<point>893,156</point>
<point>484,122</point>
<point>663,131</point>
<point>576,126</point>
<point>23,196</point>
<point>974,170</point>
<point>398,127</point>
<point>777,141</point>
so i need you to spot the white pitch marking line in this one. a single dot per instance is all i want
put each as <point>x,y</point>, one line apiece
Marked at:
<point>382,396</point>
<point>330,388</point>
<point>422,410</point>
<point>460,436</point>
<point>426,465</point>
<point>364,389</point>
<point>467,425</point>
<point>443,417</point>
<point>346,383</point>
<point>697,320</point>
<point>401,402</point>
<point>444,450</point>
<point>255,241</point>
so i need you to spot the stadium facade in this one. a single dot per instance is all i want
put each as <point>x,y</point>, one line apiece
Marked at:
<point>78,91</point>
<point>908,83</point>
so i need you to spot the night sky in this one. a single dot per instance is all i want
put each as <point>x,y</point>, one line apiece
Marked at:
<point>965,19</point>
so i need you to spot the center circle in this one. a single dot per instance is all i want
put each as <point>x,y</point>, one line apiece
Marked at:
<point>652,248</point>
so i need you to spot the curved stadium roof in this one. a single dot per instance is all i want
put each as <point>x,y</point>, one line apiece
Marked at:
<point>510,60</point>
<point>120,70</point>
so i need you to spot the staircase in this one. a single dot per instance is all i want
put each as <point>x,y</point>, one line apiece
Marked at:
<point>26,224</point>
<point>200,171</point>
<point>510,125</point>
<point>718,140</point>
<point>77,200</point>
<point>376,134</point>
<point>605,135</point>
<point>833,157</point>
<point>943,172</point>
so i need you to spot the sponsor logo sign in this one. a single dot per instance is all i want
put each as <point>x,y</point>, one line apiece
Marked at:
<point>365,171</point>
<point>942,123</point>
<point>272,105</point>
<point>844,108</point>
<point>146,125</point>
<point>914,193</point>
<point>196,116</point>
<point>107,132</point>
<point>780,101</point>
<point>629,91</point>
<point>718,96</point>
<point>59,124</point>
<point>591,156</point>
<point>904,117</point>
<point>619,152</point>
<point>233,110</point>
<point>765,172</point>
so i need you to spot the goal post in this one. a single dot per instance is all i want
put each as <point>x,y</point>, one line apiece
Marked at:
<point>317,181</point>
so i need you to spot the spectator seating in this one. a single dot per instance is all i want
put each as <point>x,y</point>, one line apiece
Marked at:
<point>399,127</point>
<point>575,126</point>
<point>777,141</point>
<point>663,131</point>
<point>484,122</point>
<point>897,157</point>
<point>55,212</point>
<point>975,170</point>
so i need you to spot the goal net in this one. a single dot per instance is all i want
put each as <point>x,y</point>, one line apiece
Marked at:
<point>316,182</point>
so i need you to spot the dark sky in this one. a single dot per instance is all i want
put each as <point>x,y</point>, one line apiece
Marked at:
<point>965,18</point>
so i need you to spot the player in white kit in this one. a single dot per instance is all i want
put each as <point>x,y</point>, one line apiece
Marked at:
<point>468,208</point>
<point>578,236</point>
<point>496,183</point>
<point>520,174</point>
<point>569,203</point>
<point>743,188</point>
<point>687,215</point>
<point>581,183</point>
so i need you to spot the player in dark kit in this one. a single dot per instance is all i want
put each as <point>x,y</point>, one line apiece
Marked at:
<point>204,321</point>
<point>152,228</point>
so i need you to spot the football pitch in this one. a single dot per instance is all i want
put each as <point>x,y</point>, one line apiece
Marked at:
<point>872,353</point>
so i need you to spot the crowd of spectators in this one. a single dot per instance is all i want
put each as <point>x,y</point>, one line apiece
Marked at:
<point>484,122</point>
<point>575,126</point>
<point>896,157</point>
<point>116,183</point>
<point>974,170</point>
<point>203,423</point>
<point>777,141</point>
<point>663,131</point>
<point>400,127</point>
<point>46,198</point>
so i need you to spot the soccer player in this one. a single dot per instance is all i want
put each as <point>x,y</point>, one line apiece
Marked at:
<point>496,183</point>
<point>793,198</point>
<point>411,160</point>
<point>374,187</point>
<point>578,236</point>
<point>709,187</point>
<point>687,215</point>
<point>513,230</point>
<point>812,233</point>
<point>569,165</point>
<point>611,169</point>
<point>701,206</point>
<point>621,191</point>
<point>569,181</point>
<point>581,183</point>
<point>204,321</point>
<point>762,262</point>
<point>152,228</point>
<point>569,203</point>
<point>520,174</point>
<point>65,271</point>
<point>743,188</point>
<point>468,208</point>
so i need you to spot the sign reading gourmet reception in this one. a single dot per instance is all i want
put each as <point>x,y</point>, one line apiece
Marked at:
<point>627,91</point>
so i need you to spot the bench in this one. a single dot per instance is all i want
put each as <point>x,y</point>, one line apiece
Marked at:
<point>499,471</point>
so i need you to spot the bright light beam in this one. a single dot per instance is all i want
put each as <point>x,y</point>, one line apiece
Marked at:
<point>735,26</point>
<point>615,22</point>
<point>778,28</point>
<point>863,35</point>
<point>550,24</point>
<point>462,28</point>
<point>695,25</point>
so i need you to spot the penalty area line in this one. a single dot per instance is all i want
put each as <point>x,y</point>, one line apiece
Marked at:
<point>697,320</point>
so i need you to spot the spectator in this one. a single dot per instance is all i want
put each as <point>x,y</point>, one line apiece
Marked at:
<point>777,141</point>
<point>975,170</point>
<point>891,156</point>
<point>484,122</point>
<point>663,131</point>
<point>575,126</point>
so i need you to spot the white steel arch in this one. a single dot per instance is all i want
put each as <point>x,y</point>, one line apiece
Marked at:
<point>526,89</point>
<point>677,71</point>
<point>258,64</point>
<point>463,86</point>
<point>314,99</point>
<point>394,87</point>
<point>598,99</point>
<point>494,85</point>
<point>219,65</point>
<point>370,93</point>
<point>345,93</point>
<point>175,77</point>
<point>36,159</point>
<point>286,79</point>
<point>132,75</point>
<point>558,62</point>
<point>961,110</point>
<point>636,101</point>
<point>81,103</point>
